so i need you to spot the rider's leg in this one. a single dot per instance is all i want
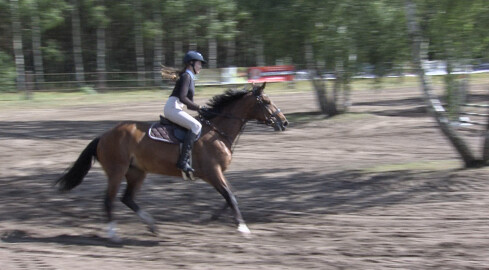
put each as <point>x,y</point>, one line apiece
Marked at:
<point>184,160</point>
<point>180,117</point>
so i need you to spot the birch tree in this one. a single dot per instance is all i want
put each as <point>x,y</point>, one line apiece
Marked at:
<point>77,43</point>
<point>138,41</point>
<point>17,45</point>
<point>36,43</point>
<point>102,22</point>
<point>158,57</point>
<point>430,98</point>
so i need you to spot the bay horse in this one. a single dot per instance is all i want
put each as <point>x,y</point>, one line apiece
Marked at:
<point>127,151</point>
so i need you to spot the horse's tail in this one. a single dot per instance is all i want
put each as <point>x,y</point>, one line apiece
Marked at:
<point>75,174</point>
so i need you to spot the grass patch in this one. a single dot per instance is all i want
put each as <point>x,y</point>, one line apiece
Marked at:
<point>55,99</point>
<point>426,165</point>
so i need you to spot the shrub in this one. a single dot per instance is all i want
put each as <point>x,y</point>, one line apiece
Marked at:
<point>7,74</point>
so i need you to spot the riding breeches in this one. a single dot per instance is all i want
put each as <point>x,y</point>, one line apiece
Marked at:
<point>173,110</point>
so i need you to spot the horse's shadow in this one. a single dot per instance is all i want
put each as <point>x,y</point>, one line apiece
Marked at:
<point>19,236</point>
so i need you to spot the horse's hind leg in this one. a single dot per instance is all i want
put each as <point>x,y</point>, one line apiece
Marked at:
<point>135,178</point>
<point>115,178</point>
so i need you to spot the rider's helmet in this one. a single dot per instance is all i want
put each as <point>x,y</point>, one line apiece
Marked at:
<point>193,56</point>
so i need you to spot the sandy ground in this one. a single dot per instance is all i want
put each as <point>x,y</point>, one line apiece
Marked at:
<point>378,188</point>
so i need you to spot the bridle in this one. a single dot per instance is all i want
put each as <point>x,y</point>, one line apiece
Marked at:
<point>271,119</point>
<point>207,122</point>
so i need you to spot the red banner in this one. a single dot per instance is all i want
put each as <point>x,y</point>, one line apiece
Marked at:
<point>270,74</point>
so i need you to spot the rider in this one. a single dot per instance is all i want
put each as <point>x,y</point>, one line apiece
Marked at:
<point>183,94</point>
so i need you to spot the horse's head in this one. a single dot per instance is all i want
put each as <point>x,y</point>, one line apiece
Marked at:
<point>265,111</point>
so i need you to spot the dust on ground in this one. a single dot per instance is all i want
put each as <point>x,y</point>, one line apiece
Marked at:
<point>377,188</point>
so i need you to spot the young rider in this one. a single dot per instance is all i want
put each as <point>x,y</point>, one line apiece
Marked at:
<point>183,94</point>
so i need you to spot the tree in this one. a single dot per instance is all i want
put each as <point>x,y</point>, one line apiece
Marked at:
<point>101,44</point>
<point>77,45</point>
<point>139,44</point>
<point>433,102</point>
<point>158,57</point>
<point>17,44</point>
<point>36,43</point>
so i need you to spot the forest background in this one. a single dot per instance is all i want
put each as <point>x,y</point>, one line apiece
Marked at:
<point>95,42</point>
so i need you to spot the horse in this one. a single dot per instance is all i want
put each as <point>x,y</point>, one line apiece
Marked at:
<point>127,151</point>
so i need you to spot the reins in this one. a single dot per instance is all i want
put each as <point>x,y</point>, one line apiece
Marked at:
<point>222,133</point>
<point>272,119</point>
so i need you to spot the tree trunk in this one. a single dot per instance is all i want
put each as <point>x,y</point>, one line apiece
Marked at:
<point>138,35</point>
<point>158,48</point>
<point>178,53</point>
<point>36,46</point>
<point>260,52</point>
<point>231,51</point>
<point>77,46</point>
<point>212,53</point>
<point>319,85</point>
<point>101,55</point>
<point>432,101</point>
<point>17,43</point>
<point>451,93</point>
<point>485,149</point>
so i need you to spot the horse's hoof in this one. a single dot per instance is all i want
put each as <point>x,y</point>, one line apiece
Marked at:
<point>153,229</point>
<point>115,239</point>
<point>243,229</point>
<point>112,234</point>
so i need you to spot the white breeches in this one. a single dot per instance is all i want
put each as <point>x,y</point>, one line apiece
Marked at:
<point>173,110</point>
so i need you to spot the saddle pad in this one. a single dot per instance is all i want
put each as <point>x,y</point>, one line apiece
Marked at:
<point>164,133</point>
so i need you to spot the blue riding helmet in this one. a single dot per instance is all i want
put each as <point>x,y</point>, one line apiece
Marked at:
<point>193,56</point>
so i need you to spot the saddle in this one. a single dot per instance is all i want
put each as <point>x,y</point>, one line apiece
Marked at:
<point>167,131</point>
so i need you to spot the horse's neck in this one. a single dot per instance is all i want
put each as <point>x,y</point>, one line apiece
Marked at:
<point>229,126</point>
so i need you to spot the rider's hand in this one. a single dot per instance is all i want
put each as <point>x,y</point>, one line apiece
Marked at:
<point>203,110</point>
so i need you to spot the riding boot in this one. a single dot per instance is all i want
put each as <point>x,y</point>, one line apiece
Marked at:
<point>184,160</point>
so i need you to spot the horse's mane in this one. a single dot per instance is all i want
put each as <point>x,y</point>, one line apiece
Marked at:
<point>217,103</point>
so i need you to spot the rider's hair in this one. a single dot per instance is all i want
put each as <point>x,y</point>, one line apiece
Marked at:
<point>171,73</point>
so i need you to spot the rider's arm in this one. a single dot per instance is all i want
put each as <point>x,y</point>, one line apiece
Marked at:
<point>183,94</point>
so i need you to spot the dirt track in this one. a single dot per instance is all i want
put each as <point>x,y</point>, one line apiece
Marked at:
<point>325,194</point>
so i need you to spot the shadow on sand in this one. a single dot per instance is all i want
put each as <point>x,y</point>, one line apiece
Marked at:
<point>18,236</point>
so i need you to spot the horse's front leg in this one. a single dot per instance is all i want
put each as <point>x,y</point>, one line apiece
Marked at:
<point>233,203</point>
<point>209,169</point>
<point>218,181</point>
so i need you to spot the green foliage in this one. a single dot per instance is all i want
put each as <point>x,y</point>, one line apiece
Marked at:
<point>88,90</point>
<point>352,34</point>
<point>52,52</point>
<point>7,73</point>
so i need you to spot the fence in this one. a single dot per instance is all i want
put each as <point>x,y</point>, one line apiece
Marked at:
<point>475,116</point>
<point>123,80</point>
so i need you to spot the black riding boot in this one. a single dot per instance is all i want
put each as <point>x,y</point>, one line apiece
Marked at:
<point>183,162</point>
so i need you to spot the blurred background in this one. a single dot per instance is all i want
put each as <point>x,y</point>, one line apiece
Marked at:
<point>107,44</point>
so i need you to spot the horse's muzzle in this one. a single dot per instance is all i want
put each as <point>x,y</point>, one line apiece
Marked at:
<point>279,125</point>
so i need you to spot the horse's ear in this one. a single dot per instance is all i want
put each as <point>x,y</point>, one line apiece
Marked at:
<point>258,91</point>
